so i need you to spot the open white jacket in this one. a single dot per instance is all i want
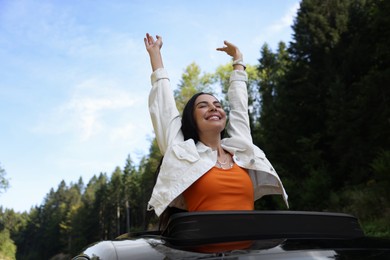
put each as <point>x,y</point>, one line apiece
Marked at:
<point>185,162</point>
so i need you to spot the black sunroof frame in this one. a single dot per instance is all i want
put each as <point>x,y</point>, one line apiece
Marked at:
<point>198,228</point>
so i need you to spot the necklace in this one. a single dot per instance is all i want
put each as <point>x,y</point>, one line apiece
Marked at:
<point>221,164</point>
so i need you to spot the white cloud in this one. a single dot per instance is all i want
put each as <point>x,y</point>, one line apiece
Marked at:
<point>124,132</point>
<point>103,45</point>
<point>95,107</point>
<point>286,21</point>
<point>277,28</point>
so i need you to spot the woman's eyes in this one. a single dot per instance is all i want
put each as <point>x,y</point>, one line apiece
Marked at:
<point>205,105</point>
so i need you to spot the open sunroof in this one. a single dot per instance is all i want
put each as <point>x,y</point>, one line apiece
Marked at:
<point>196,228</point>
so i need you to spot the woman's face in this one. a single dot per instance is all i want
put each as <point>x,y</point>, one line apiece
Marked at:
<point>209,115</point>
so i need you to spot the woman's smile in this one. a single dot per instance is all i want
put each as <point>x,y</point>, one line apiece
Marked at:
<point>213,117</point>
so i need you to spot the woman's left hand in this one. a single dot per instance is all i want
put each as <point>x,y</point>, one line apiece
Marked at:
<point>231,50</point>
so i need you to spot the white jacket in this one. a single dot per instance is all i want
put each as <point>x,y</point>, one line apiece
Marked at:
<point>185,162</point>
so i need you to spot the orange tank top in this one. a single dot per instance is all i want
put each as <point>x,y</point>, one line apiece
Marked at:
<point>221,189</point>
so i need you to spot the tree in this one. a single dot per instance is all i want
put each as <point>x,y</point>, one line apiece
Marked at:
<point>359,102</point>
<point>86,223</point>
<point>7,246</point>
<point>29,238</point>
<point>73,204</point>
<point>100,208</point>
<point>4,182</point>
<point>271,70</point>
<point>128,190</point>
<point>115,203</point>
<point>148,175</point>
<point>132,196</point>
<point>191,83</point>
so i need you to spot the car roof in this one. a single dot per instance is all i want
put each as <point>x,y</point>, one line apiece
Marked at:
<point>154,248</point>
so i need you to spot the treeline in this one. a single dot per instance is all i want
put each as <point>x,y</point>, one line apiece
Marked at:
<point>319,110</point>
<point>75,215</point>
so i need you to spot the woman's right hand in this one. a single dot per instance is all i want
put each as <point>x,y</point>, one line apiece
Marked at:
<point>153,48</point>
<point>151,44</point>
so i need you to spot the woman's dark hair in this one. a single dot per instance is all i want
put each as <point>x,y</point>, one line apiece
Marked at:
<point>188,124</point>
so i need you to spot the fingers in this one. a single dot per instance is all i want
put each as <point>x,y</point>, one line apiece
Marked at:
<point>228,46</point>
<point>231,50</point>
<point>147,40</point>
<point>224,48</point>
<point>146,43</point>
<point>150,40</point>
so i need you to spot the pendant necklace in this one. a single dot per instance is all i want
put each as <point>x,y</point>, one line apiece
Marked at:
<point>221,164</point>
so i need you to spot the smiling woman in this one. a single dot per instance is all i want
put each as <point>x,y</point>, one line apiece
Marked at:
<point>201,169</point>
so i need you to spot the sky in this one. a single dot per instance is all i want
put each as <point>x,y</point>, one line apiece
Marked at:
<point>75,78</point>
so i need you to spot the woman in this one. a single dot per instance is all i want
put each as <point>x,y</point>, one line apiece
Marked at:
<point>201,170</point>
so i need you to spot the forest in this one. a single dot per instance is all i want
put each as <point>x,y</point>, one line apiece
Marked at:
<point>319,108</point>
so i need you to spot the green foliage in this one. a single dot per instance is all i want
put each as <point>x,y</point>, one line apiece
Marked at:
<point>191,83</point>
<point>368,204</point>
<point>271,70</point>
<point>381,176</point>
<point>325,116</point>
<point>7,246</point>
<point>4,182</point>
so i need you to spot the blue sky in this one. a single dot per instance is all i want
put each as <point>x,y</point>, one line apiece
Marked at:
<point>75,78</point>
